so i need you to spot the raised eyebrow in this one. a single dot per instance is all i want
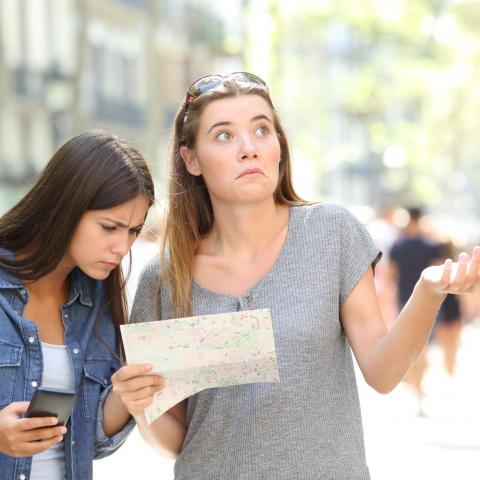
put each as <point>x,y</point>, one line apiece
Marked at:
<point>218,124</point>
<point>123,225</point>
<point>226,123</point>
<point>262,117</point>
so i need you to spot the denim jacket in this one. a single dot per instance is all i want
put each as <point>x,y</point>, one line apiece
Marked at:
<point>21,367</point>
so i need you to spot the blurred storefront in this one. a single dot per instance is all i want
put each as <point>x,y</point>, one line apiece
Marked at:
<point>119,65</point>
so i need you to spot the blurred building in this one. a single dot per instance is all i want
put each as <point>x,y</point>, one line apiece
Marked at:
<point>119,65</point>
<point>369,96</point>
<point>305,56</point>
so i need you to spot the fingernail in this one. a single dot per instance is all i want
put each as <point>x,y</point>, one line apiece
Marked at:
<point>147,367</point>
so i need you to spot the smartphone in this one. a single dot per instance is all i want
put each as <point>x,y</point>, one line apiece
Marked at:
<point>51,402</point>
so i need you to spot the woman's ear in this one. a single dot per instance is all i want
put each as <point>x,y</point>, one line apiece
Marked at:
<point>191,161</point>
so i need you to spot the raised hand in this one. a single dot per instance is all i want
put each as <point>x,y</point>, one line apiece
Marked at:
<point>455,277</point>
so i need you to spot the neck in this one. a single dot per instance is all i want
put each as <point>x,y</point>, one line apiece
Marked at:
<point>413,230</point>
<point>53,284</point>
<point>244,228</point>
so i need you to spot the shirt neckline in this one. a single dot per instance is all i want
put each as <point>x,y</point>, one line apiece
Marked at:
<point>279,261</point>
<point>55,346</point>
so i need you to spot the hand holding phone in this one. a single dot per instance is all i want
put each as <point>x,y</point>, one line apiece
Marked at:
<point>50,402</point>
<point>24,437</point>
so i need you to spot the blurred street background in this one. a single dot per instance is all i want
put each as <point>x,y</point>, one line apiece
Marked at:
<point>380,101</point>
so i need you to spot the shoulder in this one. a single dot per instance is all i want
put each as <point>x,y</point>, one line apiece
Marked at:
<point>322,209</point>
<point>327,216</point>
<point>147,294</point>
<point>151,270</point>
<point>149,277</point>
<point>8,279</point>
<point>435,249</point>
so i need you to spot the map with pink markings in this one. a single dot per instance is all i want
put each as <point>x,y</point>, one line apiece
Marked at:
<point>201,352</point>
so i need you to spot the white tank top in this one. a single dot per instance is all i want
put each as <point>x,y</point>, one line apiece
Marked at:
<point>57,373</point>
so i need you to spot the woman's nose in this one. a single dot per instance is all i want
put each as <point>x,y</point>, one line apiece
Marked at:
<point>248,150</point>
<point>122,244</point>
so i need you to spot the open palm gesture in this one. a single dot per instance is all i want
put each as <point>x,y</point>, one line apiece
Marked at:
<point>455,277</point>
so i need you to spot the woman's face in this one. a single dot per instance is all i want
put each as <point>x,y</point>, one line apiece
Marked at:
<point>236,150</point>
<point>103,237</point>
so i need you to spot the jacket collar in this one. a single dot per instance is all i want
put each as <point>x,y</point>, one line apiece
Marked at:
<point>81,286</point>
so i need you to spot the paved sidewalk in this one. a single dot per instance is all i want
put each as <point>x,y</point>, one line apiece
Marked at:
<point>445,444</point>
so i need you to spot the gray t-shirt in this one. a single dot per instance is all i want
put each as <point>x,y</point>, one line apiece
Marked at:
<point>309,425</point>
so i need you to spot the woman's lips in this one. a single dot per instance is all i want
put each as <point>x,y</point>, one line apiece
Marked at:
<point>251,171</point>
<point>109,265</point>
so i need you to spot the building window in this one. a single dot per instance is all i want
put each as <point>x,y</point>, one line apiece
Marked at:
<point>11,32</point>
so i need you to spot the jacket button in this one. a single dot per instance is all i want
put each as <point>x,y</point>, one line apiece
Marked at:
<point>31,339</point>
<point>34,384</point>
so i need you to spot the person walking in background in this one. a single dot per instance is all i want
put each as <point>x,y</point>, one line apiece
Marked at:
<point>238,237</point>
<point>61,304</point>
<point>448,327</point>
<point>409,256</point>
<point>384,233</point>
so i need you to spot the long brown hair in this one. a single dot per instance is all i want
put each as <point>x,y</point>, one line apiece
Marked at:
<point>189,212</point>
<point>95,170</point>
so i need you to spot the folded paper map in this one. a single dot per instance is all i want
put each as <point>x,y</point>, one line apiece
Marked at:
<point>201,352</point>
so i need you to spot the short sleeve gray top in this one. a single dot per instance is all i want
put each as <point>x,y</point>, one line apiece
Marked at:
<point>309,425</point>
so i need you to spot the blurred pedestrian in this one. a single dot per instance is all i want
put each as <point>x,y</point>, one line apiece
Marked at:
<point>410,255</point>
<point>238,237</point>
<point>384,233</point>
<point>62,301</point>
<point>448,327</point>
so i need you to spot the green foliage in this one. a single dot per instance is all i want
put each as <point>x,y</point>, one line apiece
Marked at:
<point>375,73</point>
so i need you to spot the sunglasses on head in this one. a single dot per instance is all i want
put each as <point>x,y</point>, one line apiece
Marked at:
<point>204,84</point>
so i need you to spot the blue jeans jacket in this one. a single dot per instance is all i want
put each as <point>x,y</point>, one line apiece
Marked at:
<point>88,327</point>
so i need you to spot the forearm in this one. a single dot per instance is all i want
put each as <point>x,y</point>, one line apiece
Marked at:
<point>397,351</point>
<point>115,415</point>
<point>165,435</point>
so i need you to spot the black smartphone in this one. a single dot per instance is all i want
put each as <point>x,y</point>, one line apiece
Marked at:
<point>51,402</point>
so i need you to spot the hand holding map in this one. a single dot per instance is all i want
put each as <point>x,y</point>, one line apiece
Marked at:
<point>201,352</point>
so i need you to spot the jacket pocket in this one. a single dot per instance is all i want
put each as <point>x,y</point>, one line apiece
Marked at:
<point>97,376</point>
<point>10,358</point>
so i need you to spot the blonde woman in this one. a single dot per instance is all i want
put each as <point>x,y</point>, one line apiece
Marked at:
<point>238,237</point>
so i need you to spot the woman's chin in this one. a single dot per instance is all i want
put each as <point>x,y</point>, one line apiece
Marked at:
<point>256,193</point>
<point>95,273</point>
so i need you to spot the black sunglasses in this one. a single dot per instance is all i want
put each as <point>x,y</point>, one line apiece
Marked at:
<point>204,84</point>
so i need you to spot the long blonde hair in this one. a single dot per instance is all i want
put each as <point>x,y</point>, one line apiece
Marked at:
<point>189,214</point>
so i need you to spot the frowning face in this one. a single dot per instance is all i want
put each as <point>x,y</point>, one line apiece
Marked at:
<point>103,237</point>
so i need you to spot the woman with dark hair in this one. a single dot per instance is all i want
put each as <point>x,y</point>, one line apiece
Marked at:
<point>238,237</point>
<point>61,303</point>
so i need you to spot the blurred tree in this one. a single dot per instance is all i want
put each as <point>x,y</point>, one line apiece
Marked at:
<point>382,96</point>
